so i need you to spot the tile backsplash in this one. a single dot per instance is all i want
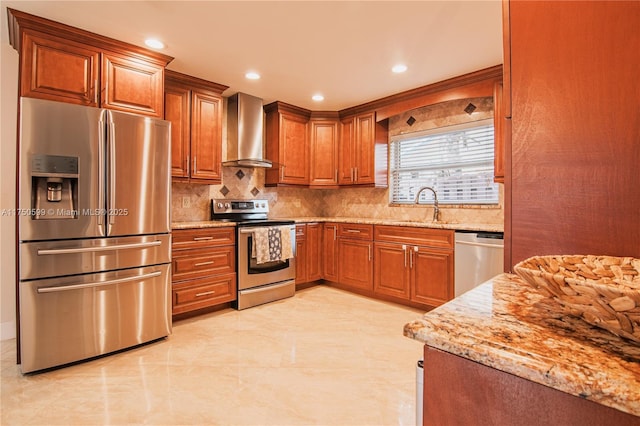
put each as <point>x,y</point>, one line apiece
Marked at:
<point>191,202</point>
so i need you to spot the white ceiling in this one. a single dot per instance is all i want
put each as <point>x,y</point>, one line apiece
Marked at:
<point>342,49</point>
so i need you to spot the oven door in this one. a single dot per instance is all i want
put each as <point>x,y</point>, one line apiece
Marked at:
<point>251,274</point>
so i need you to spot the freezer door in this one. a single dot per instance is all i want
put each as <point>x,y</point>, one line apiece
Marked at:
<point>74,318</point>
<point>48,259</point>
<point>138,175</point>
<point>51,135</point>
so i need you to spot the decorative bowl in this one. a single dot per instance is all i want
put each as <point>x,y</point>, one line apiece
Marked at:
<point>602,290</point>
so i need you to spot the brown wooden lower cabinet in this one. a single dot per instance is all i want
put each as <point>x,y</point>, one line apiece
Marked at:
<point>301,253</point>
<point>203,268</point>
<point>432,276</point>
<point>458,391</point>
<point>392,275</point>
<point>203,292</point>
<point>414,264</point>
<point>308,252</point>
<point>355,256</point>
<point>314,251</point>
<point>330,251</point>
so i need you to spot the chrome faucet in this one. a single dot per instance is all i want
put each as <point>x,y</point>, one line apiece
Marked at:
<point>436,209</point>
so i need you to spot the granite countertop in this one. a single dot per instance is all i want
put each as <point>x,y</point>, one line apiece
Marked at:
<point>201,224</point>
<point>507,325</point>
<point>369,221</point>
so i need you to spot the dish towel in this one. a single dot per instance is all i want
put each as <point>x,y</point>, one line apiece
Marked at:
<point>272,244</point>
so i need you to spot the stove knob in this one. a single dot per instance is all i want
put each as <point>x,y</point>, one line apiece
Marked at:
<point>219,205</point>
<point>227,205</point>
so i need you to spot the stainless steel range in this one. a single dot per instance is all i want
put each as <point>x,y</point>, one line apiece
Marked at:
<point>264,281</point>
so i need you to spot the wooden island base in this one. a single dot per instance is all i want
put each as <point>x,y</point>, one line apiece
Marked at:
<point>458,391</point>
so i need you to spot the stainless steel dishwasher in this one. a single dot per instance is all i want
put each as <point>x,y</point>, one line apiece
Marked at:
<point>479,256</point>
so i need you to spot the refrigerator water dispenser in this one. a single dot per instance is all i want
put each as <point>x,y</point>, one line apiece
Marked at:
<point>54,186</point>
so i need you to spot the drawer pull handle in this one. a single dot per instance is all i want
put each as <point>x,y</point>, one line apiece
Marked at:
<point>203,263</point>
<point>355,231</point>
<point>205,293</point>
<point>202,238</point>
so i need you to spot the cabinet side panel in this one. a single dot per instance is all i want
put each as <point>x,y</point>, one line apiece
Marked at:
<point>575,150</point>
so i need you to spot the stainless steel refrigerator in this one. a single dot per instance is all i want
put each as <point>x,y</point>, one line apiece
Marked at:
<point>94,242</point>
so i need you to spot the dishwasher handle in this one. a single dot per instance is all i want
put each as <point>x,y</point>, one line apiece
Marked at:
<point>476,244</point>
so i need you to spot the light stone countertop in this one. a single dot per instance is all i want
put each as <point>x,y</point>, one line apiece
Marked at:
<point>369,221</point>
<point>201,224</point>
<point>507,325</point>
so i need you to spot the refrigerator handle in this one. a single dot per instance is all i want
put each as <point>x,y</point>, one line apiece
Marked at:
<point>101,170</point>
<point>112,176</point>
<point>98,283</point>
<point>149,244</point>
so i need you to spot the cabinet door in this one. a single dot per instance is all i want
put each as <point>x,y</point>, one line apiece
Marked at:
<point>294,157</point>
<point>355,265</point>
<point>431,275</point>
<point>330,251</point>
<point>177,103</point>
<point>324,153</point>
<point>59,70</point>
<point>365,148</point>
<point>391,266</point>
<point>132,85</point>
<point>346,155</point>
<point>314,251</point>
<point>206,137</point>
<point>301,254</point>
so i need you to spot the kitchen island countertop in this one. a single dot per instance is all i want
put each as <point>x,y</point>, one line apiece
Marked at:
<point>507,325</point>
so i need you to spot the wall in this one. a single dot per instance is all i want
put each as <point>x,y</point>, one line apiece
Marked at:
<point>8,118</point>
<point>344,202</point>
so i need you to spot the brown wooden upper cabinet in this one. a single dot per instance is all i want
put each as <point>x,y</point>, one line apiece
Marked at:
<point>363,151</point>
<point>323,149</point>
<point>194,108</point>
<point>287,144</point>
<point>66,64</point>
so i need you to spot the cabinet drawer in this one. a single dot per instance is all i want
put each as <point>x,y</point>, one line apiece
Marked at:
<point>199,262</point>
<point>355,231</point>
<point>207,237</point>
<point>203,292</point>
<point>301,231</point>
<point>441,238</point>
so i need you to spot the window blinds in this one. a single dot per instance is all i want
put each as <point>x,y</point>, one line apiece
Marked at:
<point>457,163</point>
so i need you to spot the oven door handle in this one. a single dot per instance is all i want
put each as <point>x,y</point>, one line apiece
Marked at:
<point>251,230</point>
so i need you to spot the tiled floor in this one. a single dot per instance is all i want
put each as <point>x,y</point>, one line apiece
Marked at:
<point>324,357</point>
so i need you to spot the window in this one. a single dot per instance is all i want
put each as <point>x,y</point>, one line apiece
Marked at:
<point>456,161</point>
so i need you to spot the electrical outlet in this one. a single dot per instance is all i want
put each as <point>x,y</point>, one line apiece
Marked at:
<point>186,202</point>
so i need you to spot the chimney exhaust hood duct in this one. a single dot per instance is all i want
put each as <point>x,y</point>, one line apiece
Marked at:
<point>244,132</point>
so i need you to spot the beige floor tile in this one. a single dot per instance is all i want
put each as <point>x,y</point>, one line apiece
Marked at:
<point>323,357</point>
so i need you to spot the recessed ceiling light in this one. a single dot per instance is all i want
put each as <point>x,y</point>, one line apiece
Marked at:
<point>154,43</point>
<point>252,75</point>
<point>318,97</point>
<point>399,68</point>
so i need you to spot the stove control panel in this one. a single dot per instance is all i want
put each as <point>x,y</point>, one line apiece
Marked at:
<point>240,206</point>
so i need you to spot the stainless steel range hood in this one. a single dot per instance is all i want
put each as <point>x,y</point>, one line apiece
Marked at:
<point>244,132</point>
